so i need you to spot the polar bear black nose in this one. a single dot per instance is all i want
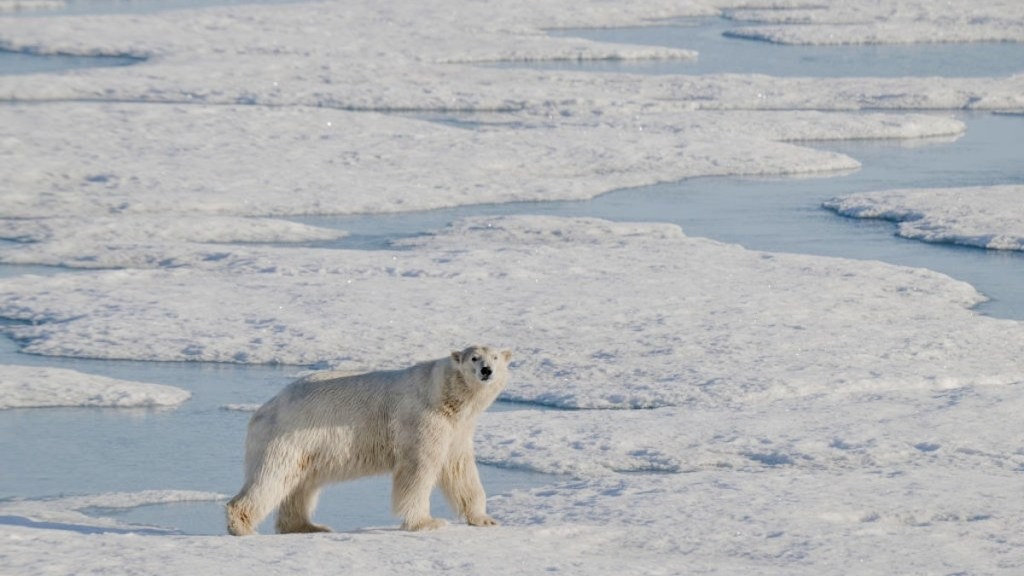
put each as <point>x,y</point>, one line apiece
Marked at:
<point>485,372</point>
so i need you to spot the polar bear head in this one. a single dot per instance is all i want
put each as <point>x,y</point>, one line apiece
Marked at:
<point>483,365</point>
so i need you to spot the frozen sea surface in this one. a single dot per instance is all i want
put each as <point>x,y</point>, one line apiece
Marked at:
<point>981,216</point>
<point>785,214</point>
<point>806,415</point>
<point>95,7</point>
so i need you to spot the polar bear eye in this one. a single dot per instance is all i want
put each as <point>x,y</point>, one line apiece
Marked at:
<point>475,358</point>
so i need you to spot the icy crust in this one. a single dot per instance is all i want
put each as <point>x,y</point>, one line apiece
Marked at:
<point>141,241</point>
<point>910,21</point>
<point>778,521</point>
<point>259,161</point>
<point>839,432</point>
<point>427,57</point>
<point>69,513</point>
<point>240,407</point>
<point>424,33</point>
<point>790,521</point>
<point>1008,30</point>
<point>129,229</point>
<point>797,126</point>
<point>795,484</point>
<point>600,314</point>
<point>39,387</point>
<point>212,163</point>
<point>987,217</point>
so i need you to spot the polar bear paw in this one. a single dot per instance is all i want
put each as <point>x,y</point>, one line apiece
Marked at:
<point>423,524</point>
<point>304,528</point>
<point>483,520</point>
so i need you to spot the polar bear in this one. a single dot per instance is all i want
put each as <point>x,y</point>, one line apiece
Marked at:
<point>416,424</point>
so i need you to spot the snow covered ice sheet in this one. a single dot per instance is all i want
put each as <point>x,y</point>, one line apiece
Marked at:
<point>70,513</point>
<point>260,161</point>
<point>913,21</point>
<point>601,314</point>
<point>813,411</point>
<point>133,200</point>
<point>427,57</point>
<point>118,201</point>
<point>985,216</point>
<point>37,387</point>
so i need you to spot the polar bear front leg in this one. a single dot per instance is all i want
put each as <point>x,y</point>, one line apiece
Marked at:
<point>410,497</point>
<point>460,482</point>
<point>415,475</point>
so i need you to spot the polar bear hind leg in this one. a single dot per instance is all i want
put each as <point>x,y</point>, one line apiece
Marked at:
<point>274,478</point>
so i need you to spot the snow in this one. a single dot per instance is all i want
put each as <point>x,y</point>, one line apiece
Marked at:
<point>681,319</point>
<point>244,160</point>
<point>720,410</point>
<point>118,201</point>
<point>915,21</point>
<point>129,229</point>
<point>775,520</point>
<point>38,387</point>
<point>985,216</point>
<point>845,431</point>
<point>803,412</point>
<point>69,512</point>
<point>135,241</point>
<point>428,57</point>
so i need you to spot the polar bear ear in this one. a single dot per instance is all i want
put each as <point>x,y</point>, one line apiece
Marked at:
<point>506,354</point>
<point>457,356</point>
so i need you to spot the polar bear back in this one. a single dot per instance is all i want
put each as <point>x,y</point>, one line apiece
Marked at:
<point>335,415</point>
<point>328,399</point>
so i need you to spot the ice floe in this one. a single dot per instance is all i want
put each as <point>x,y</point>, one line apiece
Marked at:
<point>240,407</point>
<point>985,216</point>
<point>841,431</point>
<point>600,314</point>
<point>37,387</point>
<point>69,513</point>
<point>256,161</point>
<point>427,57</point>
<point>914,21</point>
<point>128,200</point>
<point>142,241</point>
